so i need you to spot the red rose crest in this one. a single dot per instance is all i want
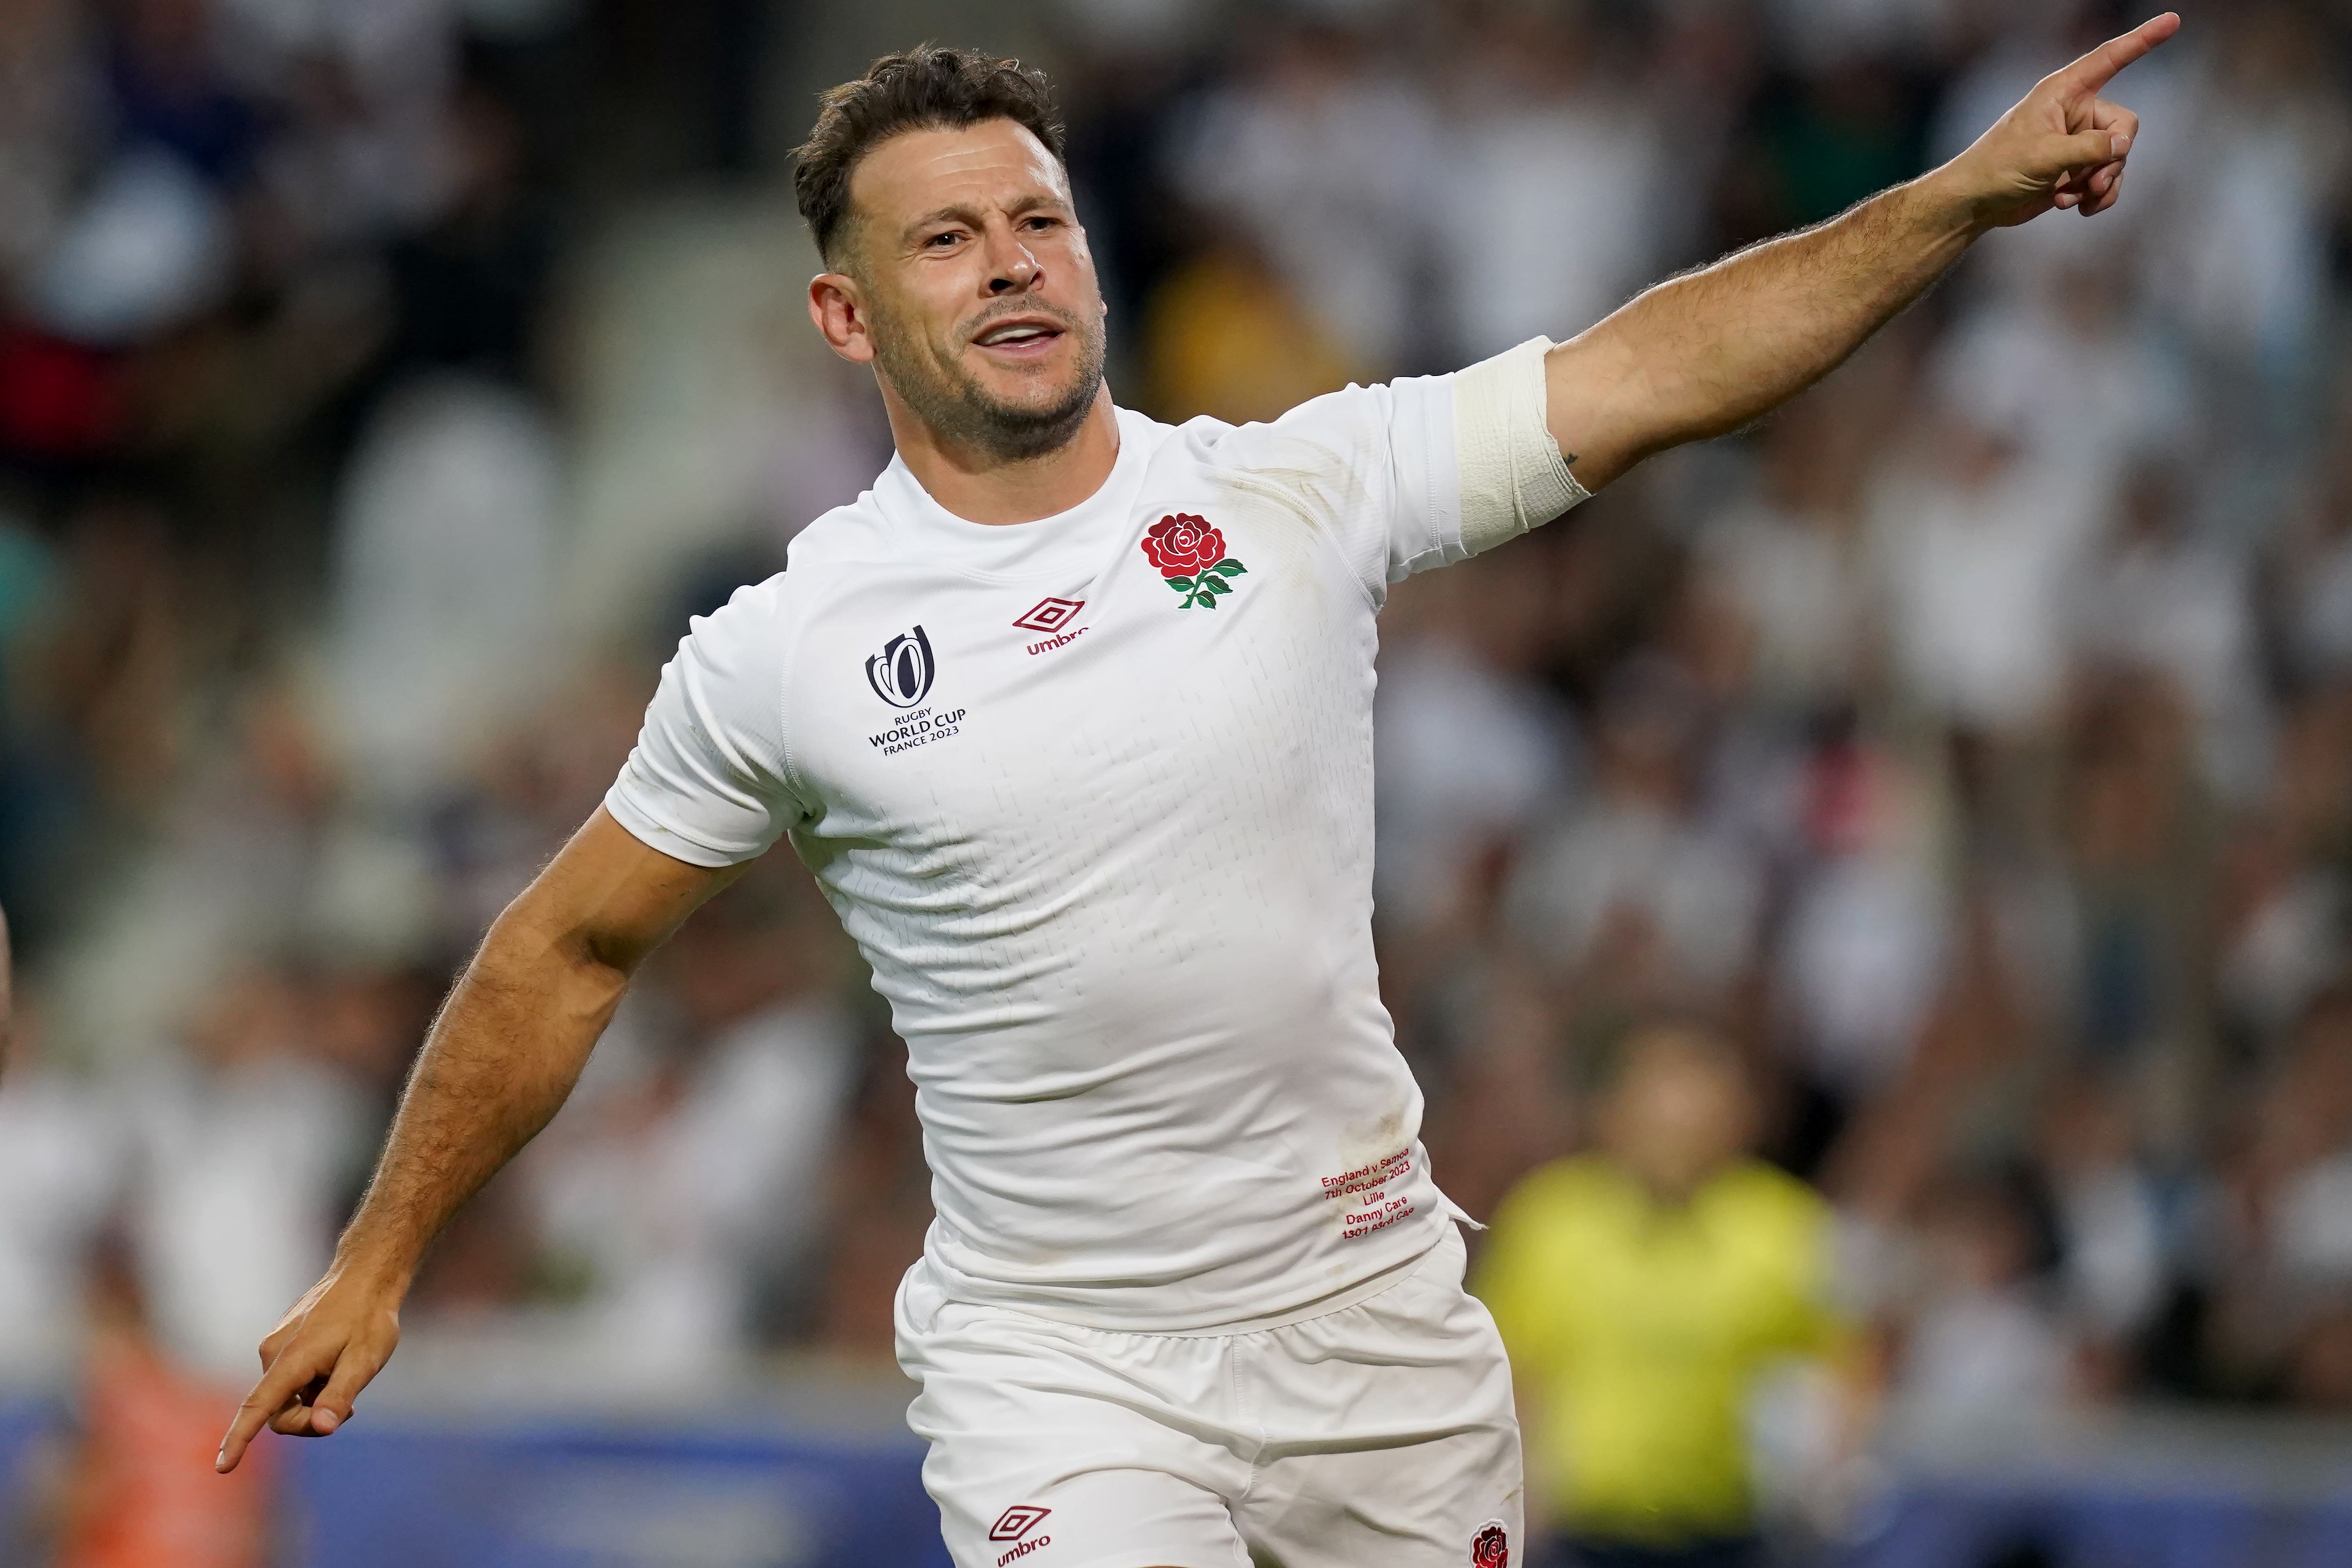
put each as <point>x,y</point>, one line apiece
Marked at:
<point>1191,559</point>
<point>1492,1548</point>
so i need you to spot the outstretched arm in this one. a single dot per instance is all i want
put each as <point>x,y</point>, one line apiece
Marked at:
<point>1706,353</point>
<point>499,1060</point>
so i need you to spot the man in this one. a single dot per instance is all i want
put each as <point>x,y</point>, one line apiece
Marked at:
<point>1070,715</point>
<point>1641,1290</point>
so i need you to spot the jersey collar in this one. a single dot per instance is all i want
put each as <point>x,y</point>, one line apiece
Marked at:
<point>929,530</point>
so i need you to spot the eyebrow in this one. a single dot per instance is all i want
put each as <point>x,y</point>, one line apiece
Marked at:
<point>961,213</point>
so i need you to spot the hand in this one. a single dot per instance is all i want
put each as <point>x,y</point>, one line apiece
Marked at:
<point>2062,146</point>
<point>327,1348</point>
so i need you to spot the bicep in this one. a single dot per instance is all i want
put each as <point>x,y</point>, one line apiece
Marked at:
<point>613,897</point>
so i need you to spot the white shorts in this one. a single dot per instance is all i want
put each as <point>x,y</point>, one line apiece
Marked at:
<point>1378,1436</point>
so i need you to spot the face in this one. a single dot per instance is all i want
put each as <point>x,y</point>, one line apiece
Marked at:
<point>1679,1113</point>
<point>965,280</point>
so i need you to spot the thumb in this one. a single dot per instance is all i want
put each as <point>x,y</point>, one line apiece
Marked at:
<point>332,1407</point>
<point>2055,155</point>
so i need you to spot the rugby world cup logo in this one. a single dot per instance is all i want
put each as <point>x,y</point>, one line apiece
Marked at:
<point>901,673</point>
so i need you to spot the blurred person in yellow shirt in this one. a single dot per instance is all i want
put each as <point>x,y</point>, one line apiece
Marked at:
<point>1642,1290</point>
<point>1223,336</point>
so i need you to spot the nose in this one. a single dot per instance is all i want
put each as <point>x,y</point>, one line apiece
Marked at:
<point>1012,268</point>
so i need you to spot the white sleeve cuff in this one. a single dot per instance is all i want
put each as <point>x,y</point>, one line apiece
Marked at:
<point>1513,477</point>
<point>654,833</point>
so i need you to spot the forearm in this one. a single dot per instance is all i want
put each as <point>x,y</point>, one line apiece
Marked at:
<point>1706,353</point>
<point>497,1064</point>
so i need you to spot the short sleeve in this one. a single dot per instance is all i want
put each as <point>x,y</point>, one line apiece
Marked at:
<point>1424,470</point>
<point>705,783</point>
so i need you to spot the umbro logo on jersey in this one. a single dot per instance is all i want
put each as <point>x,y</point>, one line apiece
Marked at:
<point>901,673</point>
<point>1048,615</point>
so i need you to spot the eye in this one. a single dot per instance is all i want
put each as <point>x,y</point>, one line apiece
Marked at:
<point>1043,223</point>
<point>941,240</point>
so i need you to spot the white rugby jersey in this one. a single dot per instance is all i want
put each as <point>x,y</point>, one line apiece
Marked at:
<point>1094,796</point>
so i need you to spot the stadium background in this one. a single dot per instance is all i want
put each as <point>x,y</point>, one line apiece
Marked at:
<point>382,383</point>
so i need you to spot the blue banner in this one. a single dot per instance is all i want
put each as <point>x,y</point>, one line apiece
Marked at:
<point>546,1495</point>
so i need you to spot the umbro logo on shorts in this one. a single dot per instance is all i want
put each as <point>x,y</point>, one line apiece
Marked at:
<point>1016,1521</point>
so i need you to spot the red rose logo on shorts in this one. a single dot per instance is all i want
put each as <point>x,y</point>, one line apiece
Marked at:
<point>1191,556</point>
<point>1492,1547</point>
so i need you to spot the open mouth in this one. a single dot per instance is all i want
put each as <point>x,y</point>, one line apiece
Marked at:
<point>1020,336</point>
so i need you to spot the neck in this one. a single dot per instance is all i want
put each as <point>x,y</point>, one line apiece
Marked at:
<point>982,488</point>
<point>1669,1189</point>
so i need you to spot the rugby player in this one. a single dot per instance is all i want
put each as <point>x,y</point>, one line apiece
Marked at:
<point>1070,715</point>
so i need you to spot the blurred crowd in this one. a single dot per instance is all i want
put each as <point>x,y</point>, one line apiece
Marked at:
<point>383,382</point>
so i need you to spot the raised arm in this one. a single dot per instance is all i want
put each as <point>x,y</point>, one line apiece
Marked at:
<point>499,1060</point>
<point>1706,353</point>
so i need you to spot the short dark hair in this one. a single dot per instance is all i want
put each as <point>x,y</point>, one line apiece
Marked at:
<point>923,89</point>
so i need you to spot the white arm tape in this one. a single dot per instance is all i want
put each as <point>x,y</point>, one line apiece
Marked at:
<point>1513,477</point>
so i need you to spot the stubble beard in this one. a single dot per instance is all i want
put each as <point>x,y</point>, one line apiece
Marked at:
<point>950,402</point>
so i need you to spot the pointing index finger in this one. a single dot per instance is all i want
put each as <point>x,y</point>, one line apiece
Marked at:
<point>2098,67</point>
<point>268,1396</point>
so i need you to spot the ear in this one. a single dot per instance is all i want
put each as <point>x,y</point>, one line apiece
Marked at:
<point>837,307</point>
